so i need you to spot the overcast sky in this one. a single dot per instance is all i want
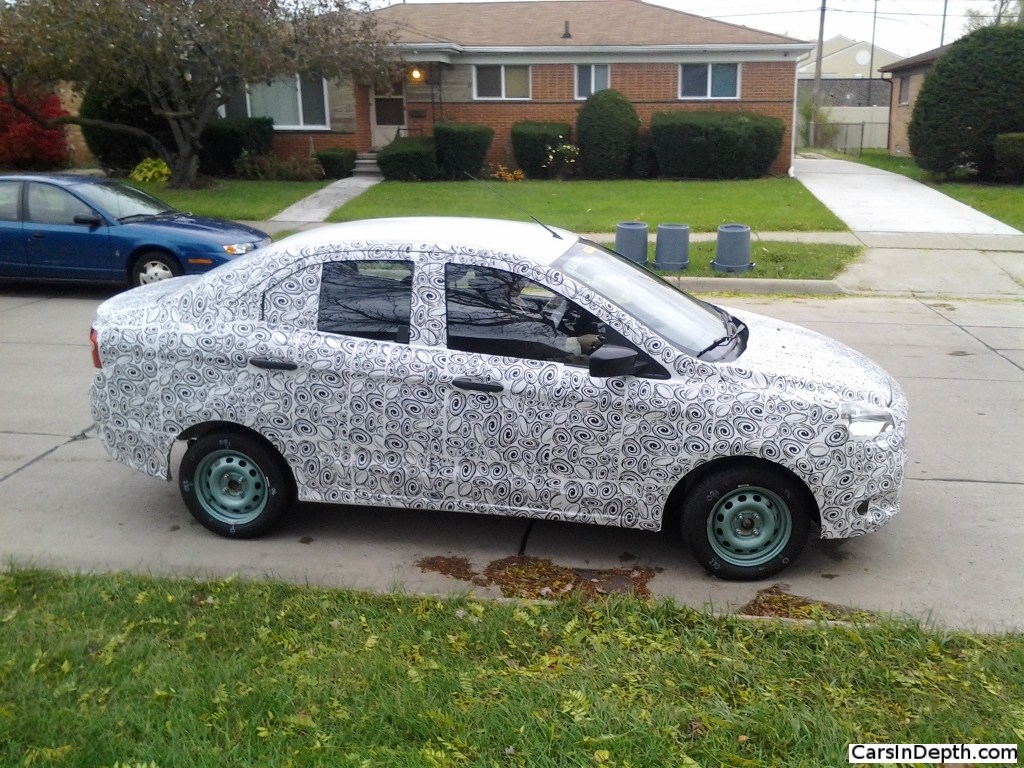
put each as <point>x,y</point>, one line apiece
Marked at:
<point>904,27</point>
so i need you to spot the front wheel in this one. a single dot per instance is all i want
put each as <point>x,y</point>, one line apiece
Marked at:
<point>234,485</point>
<point>746,522</point>
<point>153,266</point>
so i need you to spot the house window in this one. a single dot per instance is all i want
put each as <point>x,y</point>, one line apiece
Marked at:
<point>501,81</point>
<point>709,81</point>
<point>904,91</point>
<point>591,78</point>
<point>299,101</point>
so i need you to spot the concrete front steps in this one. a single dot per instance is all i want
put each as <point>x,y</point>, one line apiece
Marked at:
<point>366,165</point>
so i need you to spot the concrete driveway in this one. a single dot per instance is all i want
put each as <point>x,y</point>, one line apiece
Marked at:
<point>952,556</point>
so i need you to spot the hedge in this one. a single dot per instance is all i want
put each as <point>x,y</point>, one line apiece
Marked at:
<point>715,145</point>
<point>531,142</point>
<point>461,149</point>
<point>409,158</point>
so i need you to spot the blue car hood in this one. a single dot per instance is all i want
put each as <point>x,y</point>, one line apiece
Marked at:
<point>218,231</point>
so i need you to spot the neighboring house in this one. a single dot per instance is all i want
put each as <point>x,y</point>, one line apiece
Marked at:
<point>908,76</point>
<point>858,100</point>
<point>503,62</point>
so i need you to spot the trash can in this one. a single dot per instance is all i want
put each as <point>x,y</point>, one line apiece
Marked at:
<point>672,250</point>
<point>631,240</point>
<point>732,249</point>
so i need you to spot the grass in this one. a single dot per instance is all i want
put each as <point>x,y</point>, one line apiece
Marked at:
<point>765,205</point>
<point>101,670</point>
<point>792,261</point>
<point>235,199</point>
<point>1004,202</point>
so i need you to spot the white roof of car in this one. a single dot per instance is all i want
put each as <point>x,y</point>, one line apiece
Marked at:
<point>528,238</point>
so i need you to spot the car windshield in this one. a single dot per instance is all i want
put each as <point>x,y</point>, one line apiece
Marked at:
<point>121,201</point>
<point>688,323</point>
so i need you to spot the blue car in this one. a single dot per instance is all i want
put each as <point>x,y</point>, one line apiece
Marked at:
<point>68,227</point>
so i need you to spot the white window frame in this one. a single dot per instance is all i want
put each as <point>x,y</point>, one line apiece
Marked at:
<point>302,126</point>
<point>503,97</point>
<point>903,96</point>
<point>709,67</point>
<point>592,68</point>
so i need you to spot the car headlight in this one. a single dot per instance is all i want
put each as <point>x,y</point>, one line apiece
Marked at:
<point>237,249</point>
<point>866,420</point>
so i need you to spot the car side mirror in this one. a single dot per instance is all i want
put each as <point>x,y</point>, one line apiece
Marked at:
<point>90,219</point>
<point>612,360</point>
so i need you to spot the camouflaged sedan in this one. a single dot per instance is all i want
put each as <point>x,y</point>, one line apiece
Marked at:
<point>494,367</point>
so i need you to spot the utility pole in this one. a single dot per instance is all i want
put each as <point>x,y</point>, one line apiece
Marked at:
<point>871,61</point>
<point>942,37</point>
<point>816,91</point>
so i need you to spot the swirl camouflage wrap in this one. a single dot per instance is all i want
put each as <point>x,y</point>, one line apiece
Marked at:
<point>384,380</point>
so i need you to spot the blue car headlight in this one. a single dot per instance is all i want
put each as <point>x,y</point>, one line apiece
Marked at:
<point>237,249</point>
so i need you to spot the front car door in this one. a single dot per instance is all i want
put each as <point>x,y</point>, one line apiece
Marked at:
<point>57,245</point>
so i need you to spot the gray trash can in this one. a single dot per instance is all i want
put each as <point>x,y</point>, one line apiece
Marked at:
<point>732,250</point>
<point>631,240</point>
<point>672,250</point>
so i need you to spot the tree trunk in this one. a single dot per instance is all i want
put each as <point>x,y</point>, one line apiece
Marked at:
<point>184,170</point>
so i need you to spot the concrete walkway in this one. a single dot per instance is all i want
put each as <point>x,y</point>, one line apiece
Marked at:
<point>918,242</point>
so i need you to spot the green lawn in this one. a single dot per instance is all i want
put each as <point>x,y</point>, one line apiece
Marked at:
<point>234,199</point>
<point>766,205</point>
<point>792,261</point>
<point>104,670</point>
<point>1004,202</point>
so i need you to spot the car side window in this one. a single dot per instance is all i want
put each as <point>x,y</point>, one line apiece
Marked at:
<point>9,191</point>
<point>48,204</point>
<point>495,312</point>
<point>366,299</point>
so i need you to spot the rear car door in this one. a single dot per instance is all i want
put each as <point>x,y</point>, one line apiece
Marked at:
<point>59,247</point>
<point>12,237</point>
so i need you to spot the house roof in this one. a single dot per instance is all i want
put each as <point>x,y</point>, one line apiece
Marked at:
<point>920,60</point>
<point>542,24</point>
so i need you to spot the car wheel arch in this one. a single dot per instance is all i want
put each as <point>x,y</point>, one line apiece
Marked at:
<point>197,431</point>
<point>674,504</point>
<point>143,251</point>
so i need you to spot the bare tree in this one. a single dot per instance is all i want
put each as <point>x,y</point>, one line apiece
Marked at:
<point>998,12</point>
<point>187,56</point>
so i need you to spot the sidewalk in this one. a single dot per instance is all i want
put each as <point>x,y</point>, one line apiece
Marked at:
<point>918,242</point>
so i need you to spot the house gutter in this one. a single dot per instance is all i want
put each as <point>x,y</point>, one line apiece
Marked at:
<point>584,54</point>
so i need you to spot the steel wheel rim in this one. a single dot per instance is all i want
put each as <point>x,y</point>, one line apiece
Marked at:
<point>749,526</point>
<point>231,487</point>
<point>152,271</point>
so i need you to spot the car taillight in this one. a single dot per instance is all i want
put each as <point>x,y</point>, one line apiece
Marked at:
<point>94,343</point>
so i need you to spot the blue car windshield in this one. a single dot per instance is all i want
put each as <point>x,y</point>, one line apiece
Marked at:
<point>686,322</point>
<point>121,201</point>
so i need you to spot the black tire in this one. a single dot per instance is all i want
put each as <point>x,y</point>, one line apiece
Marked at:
<point>153,266</point>
<point>235,485</point>
<point>746,521</point>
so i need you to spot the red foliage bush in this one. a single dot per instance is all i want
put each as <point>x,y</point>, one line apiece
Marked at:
<point>26,145</point>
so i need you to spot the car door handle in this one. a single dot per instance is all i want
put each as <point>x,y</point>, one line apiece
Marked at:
<point>38,235</point>
<point>272,365</point>
<point>480,386</point>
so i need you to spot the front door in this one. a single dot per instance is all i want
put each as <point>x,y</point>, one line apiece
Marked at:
<point>58,246</point>
<point>387,115</point>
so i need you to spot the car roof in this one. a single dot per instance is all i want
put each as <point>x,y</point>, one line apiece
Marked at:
<point>64,179</point>
<point>537,241</point>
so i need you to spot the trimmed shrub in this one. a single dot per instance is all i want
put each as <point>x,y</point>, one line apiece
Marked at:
<point>531,143</point>
<point>274,168</point>
<point>461,149</point>
<point>117,152</point>
<point>1009,148</point>
<point>337,163</point>
<point>715,145</point>
<point>151,169</point>
<point>606,131</point>
<point>26,145</point>
<point>224,141</point>
<point>972,95</point>
<point>645,161</point>
<point>409,158</point>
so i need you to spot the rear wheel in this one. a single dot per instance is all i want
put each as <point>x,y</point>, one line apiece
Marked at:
<point>746,521</point>
<point>153,266</point>
<point>234,484</point>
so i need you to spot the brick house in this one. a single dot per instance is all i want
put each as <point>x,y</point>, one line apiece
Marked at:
<point>907,78</point>
<point>502,62</point>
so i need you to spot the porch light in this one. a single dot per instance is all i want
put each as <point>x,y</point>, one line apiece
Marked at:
<point>417,75</point>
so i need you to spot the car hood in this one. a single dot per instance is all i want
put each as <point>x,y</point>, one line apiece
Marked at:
<point>218,231</point>
<point>811,360</point>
